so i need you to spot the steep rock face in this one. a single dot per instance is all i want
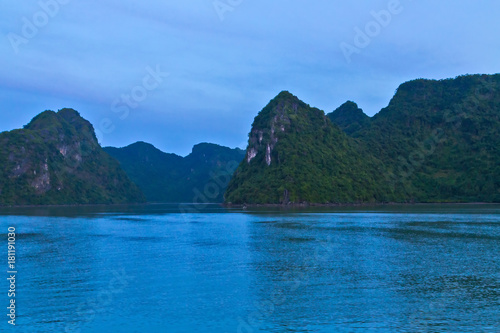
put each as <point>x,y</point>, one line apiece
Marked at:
<point>200,177</point>
<point>56,159</point>
<point>266,138</point>
<point>295,154</point>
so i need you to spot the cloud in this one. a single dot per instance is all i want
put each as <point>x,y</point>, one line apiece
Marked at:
<point>223,72</point>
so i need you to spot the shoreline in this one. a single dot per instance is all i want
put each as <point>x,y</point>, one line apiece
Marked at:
<point>229,205</point>
<point>73,205</point>
<point>363,204</point>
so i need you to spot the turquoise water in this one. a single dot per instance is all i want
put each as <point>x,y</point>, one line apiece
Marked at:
<point>154,268</point>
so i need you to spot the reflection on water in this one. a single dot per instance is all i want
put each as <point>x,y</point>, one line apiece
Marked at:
<point>148,268</point>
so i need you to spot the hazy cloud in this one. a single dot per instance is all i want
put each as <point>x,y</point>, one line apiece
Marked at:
<point>86,55</point>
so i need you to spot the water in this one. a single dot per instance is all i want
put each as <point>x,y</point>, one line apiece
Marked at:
<point>426,268</point>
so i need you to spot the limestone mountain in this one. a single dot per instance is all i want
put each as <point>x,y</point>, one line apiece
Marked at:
<point>295,154</point>
<point>440,139</point>
<point>56,159</point>
<point>200,177</point>
<point>436,141</point>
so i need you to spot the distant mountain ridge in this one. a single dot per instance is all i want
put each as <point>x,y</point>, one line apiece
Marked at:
<point>200,177</point>
<point>56,159</point>
<point>436,141</point>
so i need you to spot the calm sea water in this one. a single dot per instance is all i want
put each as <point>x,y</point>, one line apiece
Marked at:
<point>153,268</point>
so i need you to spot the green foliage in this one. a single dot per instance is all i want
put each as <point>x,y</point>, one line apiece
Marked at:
<point>311,160</point>
<point>440,139</point>
<point>349,117</point>
<point>437,141</point>
<point>200,177</point>
<point>56,160</point>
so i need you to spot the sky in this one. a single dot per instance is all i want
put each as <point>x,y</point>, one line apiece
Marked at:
<point>176,73</point>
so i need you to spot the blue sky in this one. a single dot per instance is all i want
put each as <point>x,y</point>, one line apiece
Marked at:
<point>176,73</point>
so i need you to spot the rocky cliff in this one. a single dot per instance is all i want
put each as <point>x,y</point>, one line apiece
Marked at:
<point>56,159</point>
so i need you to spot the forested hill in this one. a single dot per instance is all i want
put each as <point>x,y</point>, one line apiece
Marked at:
<point>440,140</point>
<point>295,154</point>
<point>200,177</point>
<point>436,141</point>
<point>349,117</point>
<point>56,159</point>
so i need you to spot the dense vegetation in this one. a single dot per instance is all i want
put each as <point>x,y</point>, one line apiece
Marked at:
<point>440,140</point>
<point>349,117</point>
<point>56,159</point>
<point>200,177</point>
<point>295,154</point>
<point>437,141</point>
